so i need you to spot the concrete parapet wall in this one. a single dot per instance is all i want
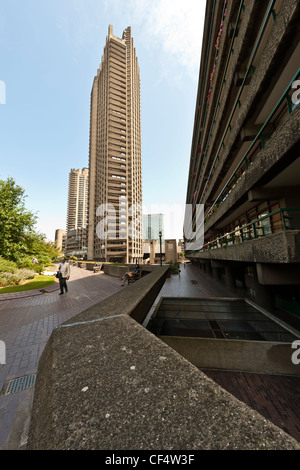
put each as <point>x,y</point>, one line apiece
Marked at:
<point>105,382</point>
<point>90,266</point>
<point>247,356</point>
<point>115,270</point>
<point>283,247</point>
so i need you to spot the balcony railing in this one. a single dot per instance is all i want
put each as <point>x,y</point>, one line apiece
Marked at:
<point>250,71</point>
<point>284,101</point>
<point>277,221</point>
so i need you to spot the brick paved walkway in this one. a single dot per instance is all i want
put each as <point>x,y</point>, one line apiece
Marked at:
<point>25,326</point>
<point>277,398</point>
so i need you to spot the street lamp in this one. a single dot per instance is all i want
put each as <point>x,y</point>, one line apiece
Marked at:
<point>159,233</point>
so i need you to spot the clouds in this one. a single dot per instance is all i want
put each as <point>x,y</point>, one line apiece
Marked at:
<point>176,27</point>
<point>169,30</point>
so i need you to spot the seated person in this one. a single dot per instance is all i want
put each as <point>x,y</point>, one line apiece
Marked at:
<point>130,274</point>
<point>96,266</point>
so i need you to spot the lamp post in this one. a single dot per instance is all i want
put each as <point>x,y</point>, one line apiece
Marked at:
<point>159,233</point>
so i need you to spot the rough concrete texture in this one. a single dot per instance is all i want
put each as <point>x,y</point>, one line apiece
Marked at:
<point>105,382</point>
<point>113,385</point>
<point>280,247</point>
<point>287,14</point>
<point>285,141</point>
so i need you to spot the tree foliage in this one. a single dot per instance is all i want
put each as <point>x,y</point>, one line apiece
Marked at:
<point>19,240</point>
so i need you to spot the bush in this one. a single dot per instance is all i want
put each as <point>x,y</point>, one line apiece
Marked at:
<point>28,264</point>
<point>7,266</point>
<point>14,279</point>
<point>174,267</point>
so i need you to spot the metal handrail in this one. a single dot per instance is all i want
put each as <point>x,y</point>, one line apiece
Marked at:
<point>252,223</point>
<point>230,52</point>
<point>283,96</point>
<point>270,9</point>
<point>206,62</point>
<point>222,84</point>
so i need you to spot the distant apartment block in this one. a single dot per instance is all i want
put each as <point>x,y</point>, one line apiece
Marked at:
<point>245,156</point>
<point>78,199</point>
<point>76,243</point>
<point>115,170</point>
<point>153,224</point>
<point>60,239</point>
<point>168,251</point>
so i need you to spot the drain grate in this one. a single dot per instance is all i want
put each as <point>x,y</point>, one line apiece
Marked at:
<point>20,384</point>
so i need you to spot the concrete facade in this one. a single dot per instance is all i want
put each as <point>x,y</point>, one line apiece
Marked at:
<point>115,173</point>
<point>169,251</point>
<point>76,243</point>
<point>245,158</point>
<point>59,235</point>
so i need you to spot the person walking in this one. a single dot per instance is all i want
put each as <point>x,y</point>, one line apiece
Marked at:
<point>63,275</point>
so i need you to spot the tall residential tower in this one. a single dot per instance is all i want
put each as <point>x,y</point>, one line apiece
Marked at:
<point>77,213</point>
<point>77,199</point>
<point>115,160</point>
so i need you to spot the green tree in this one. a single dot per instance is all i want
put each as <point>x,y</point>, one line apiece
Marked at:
<point>43,250</point>
<point>17,223</point>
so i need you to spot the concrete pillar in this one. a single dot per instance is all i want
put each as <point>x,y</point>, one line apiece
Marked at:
<point>215,273</point>
<point>263,293</point>
<point>230,278</point>
<point>264,296</point>
<point>208,268</point>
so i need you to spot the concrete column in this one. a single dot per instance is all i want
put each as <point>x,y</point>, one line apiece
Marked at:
<point>230,278</point>
<point>263,293</point>
<point>264,296</point>
<point>208,268</point>
<point>215,273</point>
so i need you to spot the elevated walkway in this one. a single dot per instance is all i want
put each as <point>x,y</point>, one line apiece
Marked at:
<point>104,382</point>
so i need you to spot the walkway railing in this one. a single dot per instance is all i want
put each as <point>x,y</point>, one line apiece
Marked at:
<point>260,138</point>
<point>250,69</point>
<point>223,82</point>
<point>274,222</point>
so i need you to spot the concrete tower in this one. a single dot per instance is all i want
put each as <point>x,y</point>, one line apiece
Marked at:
<point>115,160</point>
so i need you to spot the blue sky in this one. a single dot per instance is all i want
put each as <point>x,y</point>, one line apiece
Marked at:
<point>49,53</point>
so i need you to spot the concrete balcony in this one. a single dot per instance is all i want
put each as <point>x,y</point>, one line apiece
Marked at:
<point>282,248</point>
